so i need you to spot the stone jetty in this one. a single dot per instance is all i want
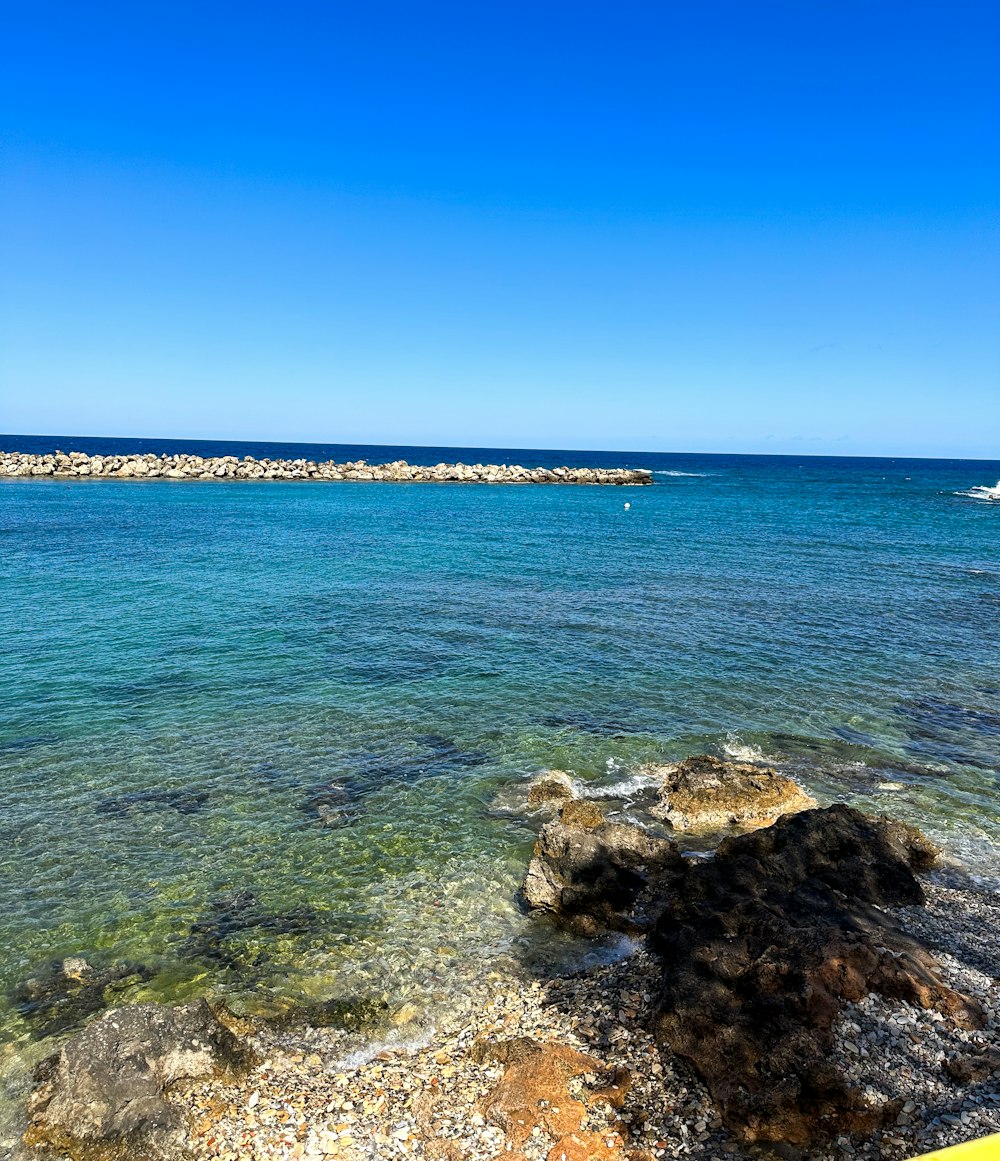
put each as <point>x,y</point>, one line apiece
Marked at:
<point>78,465</point>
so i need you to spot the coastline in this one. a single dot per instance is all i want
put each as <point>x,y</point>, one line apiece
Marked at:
<point>79,465</point>
<point>876,993</point>
<point>303,1101</point>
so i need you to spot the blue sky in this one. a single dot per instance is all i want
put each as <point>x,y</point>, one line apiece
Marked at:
<point>697,227</point>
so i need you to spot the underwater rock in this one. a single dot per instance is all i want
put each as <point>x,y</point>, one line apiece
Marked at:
<point>20,745</point>
<point>183,801</point>
<point>230,918</point>
<point>761,946</point>
<point>708,794</point>
<point>944,731</point>
<point>595,875</point>
<point>588,723</point>
<point>333,804</point>
<point>69,990</point>
<point>103,1095</point>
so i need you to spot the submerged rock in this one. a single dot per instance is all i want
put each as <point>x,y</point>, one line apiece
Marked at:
<point>69,990</point>
<point>595,875</point>
<point>220,935</point>
<point>707,794</point>
<point>103,1095</point>
<point>183,801</point>
<point>760,948</point>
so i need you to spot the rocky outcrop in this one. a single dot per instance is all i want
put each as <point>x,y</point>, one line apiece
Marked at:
<point>760,948</point>
<point>596,876</point>
<point>102,1097</point>
<point>193,467</point>
<point>550,788</point>
<point>706,794</point>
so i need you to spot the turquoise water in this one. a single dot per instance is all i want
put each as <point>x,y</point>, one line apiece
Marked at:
<point>319,694</point>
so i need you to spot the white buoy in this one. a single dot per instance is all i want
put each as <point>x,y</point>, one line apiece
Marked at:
<point>627,505</point>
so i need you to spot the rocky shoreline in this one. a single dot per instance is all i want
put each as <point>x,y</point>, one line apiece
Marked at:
<point>810,992</point>
<point>78,465</point>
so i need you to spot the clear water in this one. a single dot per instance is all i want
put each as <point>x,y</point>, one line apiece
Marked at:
<point>251,660</point>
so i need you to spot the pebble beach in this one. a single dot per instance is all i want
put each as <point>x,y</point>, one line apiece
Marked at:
<point>426,1099</point>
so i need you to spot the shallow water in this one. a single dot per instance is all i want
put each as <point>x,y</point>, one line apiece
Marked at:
<point>320,695</point>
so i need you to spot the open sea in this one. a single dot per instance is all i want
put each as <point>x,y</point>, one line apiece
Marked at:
<point>261,738</point>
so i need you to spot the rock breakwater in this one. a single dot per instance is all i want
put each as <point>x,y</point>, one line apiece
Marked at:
<point>78,465</point>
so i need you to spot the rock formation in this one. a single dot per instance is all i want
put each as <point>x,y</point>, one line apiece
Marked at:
<point>102,1097</point>
<point>596,875</point>
<point>761,946</point>
<point>706,794</point>
<point>192,467</point>
<point>534,1094</point>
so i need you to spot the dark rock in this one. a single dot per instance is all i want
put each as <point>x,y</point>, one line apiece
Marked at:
<point>974,1067</point>
<point>103,1096</point>
<point>69,990</point>
<point>761,946</point>
<point>595,875</point>
<point>333,804</point>
<point>219,936</point>
<point>183,801</point>
<point>954,734</point>
<point>588,723</point>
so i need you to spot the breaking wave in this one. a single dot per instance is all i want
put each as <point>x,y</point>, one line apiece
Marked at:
<point>698,475</point>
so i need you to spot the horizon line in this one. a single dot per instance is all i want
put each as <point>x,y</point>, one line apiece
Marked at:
<point>485,447</point>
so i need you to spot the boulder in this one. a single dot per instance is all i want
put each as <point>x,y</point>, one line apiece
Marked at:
<point>761,946</point>
<point>550,788</point>
<point>707,794</point>
<point>103,1096</point>
<point>595,875</point>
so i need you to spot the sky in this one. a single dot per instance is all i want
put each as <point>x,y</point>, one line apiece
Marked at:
<point>733,227</point>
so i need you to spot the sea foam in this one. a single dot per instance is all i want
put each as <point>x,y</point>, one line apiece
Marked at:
<point>982,492</point>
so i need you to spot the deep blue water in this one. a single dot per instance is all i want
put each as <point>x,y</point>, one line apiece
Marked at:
<point>198,675</point>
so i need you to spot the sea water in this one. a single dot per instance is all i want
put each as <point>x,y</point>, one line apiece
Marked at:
<point>261,738</point>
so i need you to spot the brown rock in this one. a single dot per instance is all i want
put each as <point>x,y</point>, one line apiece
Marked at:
<point>706,794</point>
<point>596,876</point>
<point>974,1067</point>
<point>761,946</point>
<point>550,788</point>
<point>588,1146</point>
<point>582,813</point>
<point>534,1092</point>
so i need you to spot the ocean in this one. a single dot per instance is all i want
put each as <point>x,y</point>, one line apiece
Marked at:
<point>262,740</point>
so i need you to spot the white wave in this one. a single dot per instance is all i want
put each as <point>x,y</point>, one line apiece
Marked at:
<point>693,475</point>
<point>982,492</point>
<point>626,788</point>
<point>737,749</point>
